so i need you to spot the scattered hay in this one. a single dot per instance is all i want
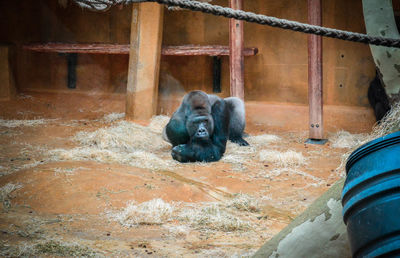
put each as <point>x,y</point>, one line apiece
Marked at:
<point>30,156</point>
<point>5,194</point>
<point>214,252</point>
<point>263,139</point>
<point>239,156</point>
<point>61,249</point>
<point>212,217</point>
<point>30,165</point>
<point>158,123</point>
<point>283,159</point>
<point>271,173</point>
<point>124,143</point>
<point>153,212</point>
<point>18,123</point>
<point>109,118</point>
<point>318,181</point>
<point>389,124</point>
<point>202,216</point>
<point>178,230</point>
<point>23,249</point>
<point>200,164</point>
<point>291,173</point>
<point>244,202</point>
<point>245,254</point>
<point>65,171</point>
<point>123,136</point>
<point>6,190</point>
<point>235,159</point>
<point>343,139</point>
<point>239,162</point>
<point>239,150</point>
<point>140,159</point>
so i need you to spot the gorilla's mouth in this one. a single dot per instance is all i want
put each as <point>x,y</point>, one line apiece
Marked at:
<point>202,135</point>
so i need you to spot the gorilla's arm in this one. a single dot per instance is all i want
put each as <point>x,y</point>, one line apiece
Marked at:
<point>220,114</point>
<point>213,149</point>
<point>237,120</point>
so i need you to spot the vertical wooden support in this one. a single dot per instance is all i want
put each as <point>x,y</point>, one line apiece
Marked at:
<point>144,60</point>
<point>236,58</point>
<point>7,85</point>
<point>315,73</point>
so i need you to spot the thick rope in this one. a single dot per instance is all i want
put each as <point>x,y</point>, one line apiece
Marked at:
<point>264,20</point>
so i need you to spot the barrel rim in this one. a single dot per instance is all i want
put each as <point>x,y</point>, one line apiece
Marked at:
<point>374,145</point>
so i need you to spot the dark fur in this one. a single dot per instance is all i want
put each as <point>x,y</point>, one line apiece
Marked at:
<point>377,98</point>
<point>221,121</point>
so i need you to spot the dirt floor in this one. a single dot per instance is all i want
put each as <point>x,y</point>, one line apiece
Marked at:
<point>76,179</point>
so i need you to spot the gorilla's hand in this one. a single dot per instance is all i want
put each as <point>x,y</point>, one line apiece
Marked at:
<point>182,153</point>
<point>240,141</point>
<point>193,152</point>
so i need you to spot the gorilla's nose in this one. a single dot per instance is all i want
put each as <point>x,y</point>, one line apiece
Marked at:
<point>202,131</point>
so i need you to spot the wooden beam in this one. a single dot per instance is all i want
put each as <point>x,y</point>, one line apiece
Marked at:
<point>315,98</point>
<point>213,50</point>
<point>94,48</point>
<point>123,49</point>
<point>236,46</point>
<point>144,60</point>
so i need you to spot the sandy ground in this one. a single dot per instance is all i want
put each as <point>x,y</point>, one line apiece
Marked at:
<point>65,192</point>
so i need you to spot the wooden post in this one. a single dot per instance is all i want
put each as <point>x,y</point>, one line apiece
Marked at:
<point>144,60</point>
<point>7,84</point>
<point>315,73</point>
<point>236,58</point>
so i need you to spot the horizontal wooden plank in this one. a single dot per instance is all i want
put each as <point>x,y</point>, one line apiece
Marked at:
<point>194,50</point>
<point>96,48</point>
<point>123,49</point>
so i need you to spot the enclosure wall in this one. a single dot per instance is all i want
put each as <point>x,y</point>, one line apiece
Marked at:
<point>277,74</point>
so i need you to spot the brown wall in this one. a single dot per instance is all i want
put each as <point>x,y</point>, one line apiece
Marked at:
<point>277,74</point>
<point>47,21</point>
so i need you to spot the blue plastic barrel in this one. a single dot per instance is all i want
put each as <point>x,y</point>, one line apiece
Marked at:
<point>371,198</point>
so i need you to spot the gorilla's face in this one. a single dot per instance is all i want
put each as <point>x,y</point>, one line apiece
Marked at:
<point>200,128</point>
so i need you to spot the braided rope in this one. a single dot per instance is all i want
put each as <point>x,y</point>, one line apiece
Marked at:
<point>268,20</point>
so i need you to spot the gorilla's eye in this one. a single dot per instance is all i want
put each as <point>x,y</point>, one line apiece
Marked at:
<point>204,123</point>
<point>201,119</point>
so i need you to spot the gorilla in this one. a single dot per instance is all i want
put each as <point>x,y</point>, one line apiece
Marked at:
<point>201,126</point>
<point>377,97</point>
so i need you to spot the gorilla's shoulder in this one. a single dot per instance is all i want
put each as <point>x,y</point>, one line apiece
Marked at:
<point>213,98</point>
